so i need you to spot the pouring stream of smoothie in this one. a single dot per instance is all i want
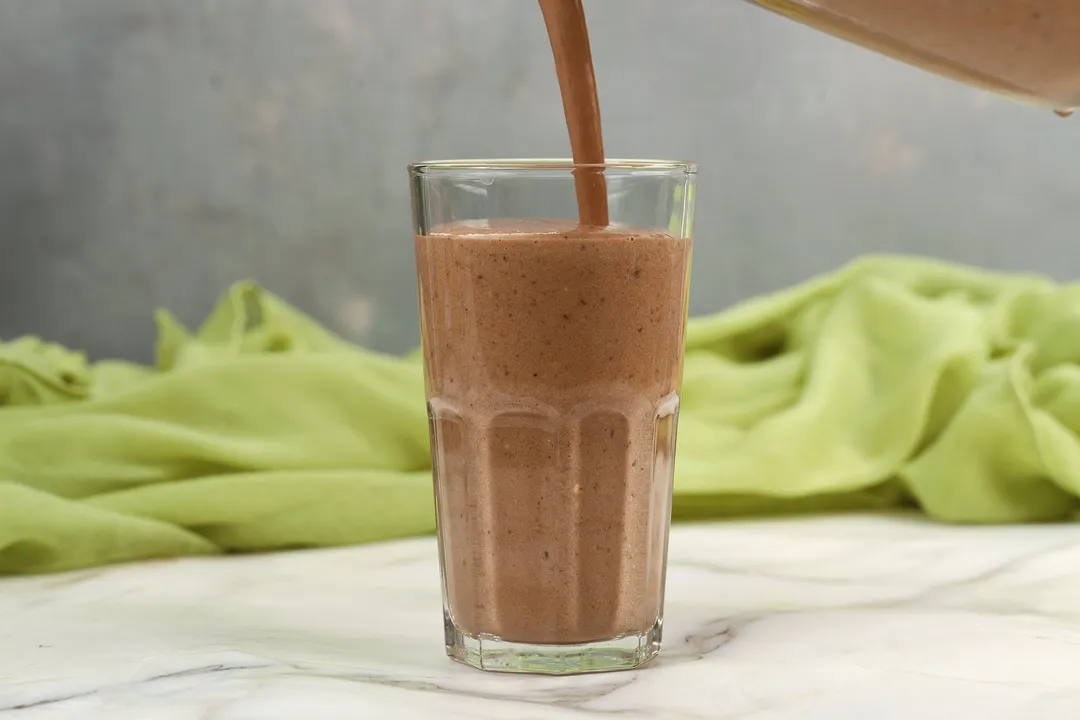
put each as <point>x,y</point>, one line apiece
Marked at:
<point>565,20</point>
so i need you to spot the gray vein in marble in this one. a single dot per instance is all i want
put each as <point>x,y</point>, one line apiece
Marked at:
<point>553,691</point>
<point>196,671</point>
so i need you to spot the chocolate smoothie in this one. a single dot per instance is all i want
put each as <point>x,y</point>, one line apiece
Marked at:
<point>554,357</point>
<point>1026,49</point>
<point>553,352</point>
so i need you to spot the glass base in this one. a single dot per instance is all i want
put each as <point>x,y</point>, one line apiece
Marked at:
<point>486,652</point>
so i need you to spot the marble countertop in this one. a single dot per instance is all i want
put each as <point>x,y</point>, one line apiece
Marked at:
<point>856,617</point>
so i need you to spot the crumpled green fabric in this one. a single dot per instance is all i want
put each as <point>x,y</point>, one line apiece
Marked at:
<point>892,383</point>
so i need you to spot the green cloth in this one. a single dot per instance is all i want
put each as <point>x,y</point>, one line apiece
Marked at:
<point>891,383</point>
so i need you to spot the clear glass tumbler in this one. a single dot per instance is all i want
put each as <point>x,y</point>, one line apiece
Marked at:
<point>553,356</point>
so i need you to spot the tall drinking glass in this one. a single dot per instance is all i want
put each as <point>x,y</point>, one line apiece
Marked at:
<point>553,356</point>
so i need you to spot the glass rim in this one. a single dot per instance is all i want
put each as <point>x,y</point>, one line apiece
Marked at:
<point>517,164</point>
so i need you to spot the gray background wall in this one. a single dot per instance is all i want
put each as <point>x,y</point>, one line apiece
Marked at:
<point>154,151</point>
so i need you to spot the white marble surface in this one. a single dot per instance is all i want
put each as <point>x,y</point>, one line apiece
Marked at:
<point>859,617</point>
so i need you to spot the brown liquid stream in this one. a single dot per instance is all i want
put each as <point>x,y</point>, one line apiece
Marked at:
<point>569,36</point>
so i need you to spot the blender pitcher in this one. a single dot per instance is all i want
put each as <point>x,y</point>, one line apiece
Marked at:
<point>1028,50</point>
